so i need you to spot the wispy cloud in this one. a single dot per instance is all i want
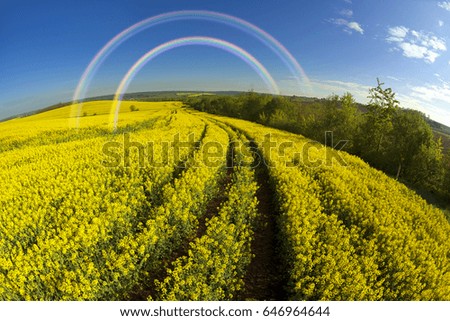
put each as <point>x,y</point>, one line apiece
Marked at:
<point>416,44</point>
<point>432,93</point>
<point>346,12</point>
<point>345,21</point>
<point>439,114</point>
<point>440,23</point>
<point>349,26</point>
<point>397,34</point>
<point>444,5</point>
<point>431,99</point>
<point>347,84</point>
<point>393,78</point>
<point>355,26</point>
<point>324,88</point>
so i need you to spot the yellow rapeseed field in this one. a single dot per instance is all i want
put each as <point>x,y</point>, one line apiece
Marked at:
<point>91,214</point>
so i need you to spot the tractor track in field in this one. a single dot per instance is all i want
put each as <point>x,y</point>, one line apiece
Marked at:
<point>265,279</point>
<point>143,291</point>
<point>155,196</point>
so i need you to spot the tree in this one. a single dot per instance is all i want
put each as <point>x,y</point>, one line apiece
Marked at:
<point>280,112</point>
<point>345,120</point>
<point>382,107</point>
<point>412,149</point>
<point>446,181</point>
<point>133,108</point>
<point>371,143</point>
<point>338,115</point>
<point>427,167</point>
<point>349,122</point>
<point>253,105</point>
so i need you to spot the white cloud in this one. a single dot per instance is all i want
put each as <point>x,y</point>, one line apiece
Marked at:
<point>416,44</point>
<point>398,32</point>
<point>414,51</point>
<point>444,5</point>
<point>434,42</point>
<point>429,40</point>
<point>349,26</point>
<point>441,23</point>
<point>432,93</point>
<point>432,100</point>
<point>355,26</point>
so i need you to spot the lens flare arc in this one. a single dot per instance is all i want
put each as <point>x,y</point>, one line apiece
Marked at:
<point>187,41</point>
<point>229,20</point>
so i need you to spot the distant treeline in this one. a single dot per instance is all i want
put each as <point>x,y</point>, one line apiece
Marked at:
<point>396,140</point>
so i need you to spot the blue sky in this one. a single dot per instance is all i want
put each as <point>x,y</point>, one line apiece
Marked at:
<point>342,45</point>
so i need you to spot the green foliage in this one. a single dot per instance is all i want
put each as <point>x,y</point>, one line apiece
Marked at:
<point>400,141</point>
<point>382,101</point>
<point>371,143</point>
<point>340,117</point>
<point>348,120</point>
<point>446,183</point>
